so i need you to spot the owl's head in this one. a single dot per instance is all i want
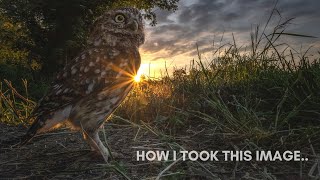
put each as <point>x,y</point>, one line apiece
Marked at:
<point>118,25</point>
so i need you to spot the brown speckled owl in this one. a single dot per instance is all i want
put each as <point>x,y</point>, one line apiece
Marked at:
<point>93,84</point>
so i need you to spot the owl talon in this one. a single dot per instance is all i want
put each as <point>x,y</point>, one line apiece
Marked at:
<point>95,143</point>
<point>106,158</point>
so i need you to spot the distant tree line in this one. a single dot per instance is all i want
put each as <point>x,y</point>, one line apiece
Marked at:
<point>37,37</point>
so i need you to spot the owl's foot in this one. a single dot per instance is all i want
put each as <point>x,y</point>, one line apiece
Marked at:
<point>96,144</point>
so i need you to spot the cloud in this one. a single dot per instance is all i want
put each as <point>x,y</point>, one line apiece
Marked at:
<point>163,17</point>
<point>299,8</point>
<point>201,22</point>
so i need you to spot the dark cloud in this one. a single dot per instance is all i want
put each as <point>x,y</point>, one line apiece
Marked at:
<point>231,16</point>
<point>204,10</point>
<point>163,17</point>
<point>300,8</point>
<point>197,22</point>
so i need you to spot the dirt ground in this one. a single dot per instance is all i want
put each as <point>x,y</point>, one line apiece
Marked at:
<point>63,154</point>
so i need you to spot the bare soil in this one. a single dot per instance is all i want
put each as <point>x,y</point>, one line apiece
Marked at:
<point>63,154</point>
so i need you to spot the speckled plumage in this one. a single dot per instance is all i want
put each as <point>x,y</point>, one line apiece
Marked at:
<point>94,83</point>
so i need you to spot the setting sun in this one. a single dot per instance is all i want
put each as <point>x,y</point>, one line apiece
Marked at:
<point>141,71</point>
<point>137,78</point>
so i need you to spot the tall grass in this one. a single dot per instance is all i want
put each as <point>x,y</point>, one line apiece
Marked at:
<point>264,95</point>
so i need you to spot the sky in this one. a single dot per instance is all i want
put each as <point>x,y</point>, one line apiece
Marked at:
<point>174,39</point>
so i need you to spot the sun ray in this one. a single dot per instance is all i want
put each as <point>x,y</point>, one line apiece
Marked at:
<point>141,71</point>
<point>137,78</point>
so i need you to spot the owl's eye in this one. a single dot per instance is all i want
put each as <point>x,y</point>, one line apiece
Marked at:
<point>119,18</point>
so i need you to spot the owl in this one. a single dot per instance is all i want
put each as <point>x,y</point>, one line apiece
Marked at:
<point>94,83</point>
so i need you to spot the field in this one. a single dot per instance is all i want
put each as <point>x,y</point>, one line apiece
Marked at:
<point>265,98</point>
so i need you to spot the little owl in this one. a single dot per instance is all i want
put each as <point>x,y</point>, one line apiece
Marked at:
<point>95,82</point>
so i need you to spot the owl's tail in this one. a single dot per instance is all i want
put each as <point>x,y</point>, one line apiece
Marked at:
<point>22,140</point>
<point>32,131</point>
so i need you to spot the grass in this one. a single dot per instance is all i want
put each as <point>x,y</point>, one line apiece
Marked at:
<point>14,107</point>
<point>264,98</point>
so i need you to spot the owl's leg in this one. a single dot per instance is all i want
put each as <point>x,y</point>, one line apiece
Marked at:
<point>95,143</point>
<point>85,137</point>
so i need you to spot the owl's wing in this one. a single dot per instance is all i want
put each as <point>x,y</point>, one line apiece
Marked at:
<point>91,72</point>
<point>95,71</point>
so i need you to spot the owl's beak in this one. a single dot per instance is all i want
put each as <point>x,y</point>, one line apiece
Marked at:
<point>134,25</point>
